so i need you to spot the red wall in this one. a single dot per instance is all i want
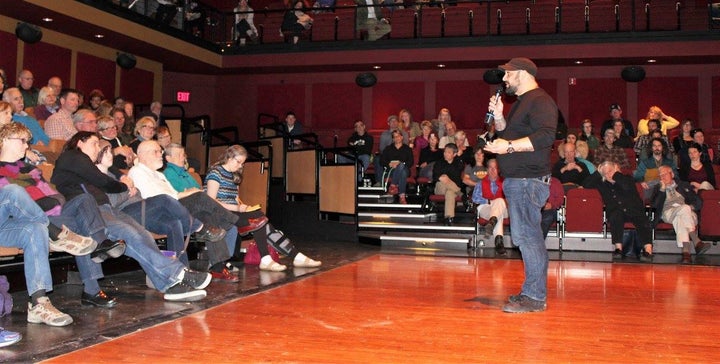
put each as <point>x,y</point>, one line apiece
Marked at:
<point>46,60</point>
<point>716,102</point>
<point>336,105</point>
<point>95,73</point>
<point>136,85</point>
<point>388,98</point>
<point>8,57</point>
<point>602,92</point>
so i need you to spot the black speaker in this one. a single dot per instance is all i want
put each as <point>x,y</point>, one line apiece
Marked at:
<point>633,74</point>
<point>366,79</point>
<point>28,33</point>
<point>126,61</point>
<point>494,76</point>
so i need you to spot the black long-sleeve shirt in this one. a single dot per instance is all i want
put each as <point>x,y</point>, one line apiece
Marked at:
<point>74,170</point>
<point>363,143</point>
<point>403,154</point>
<point>453,170</point>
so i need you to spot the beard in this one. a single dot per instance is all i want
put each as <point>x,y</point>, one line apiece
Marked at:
<point>509,89</point>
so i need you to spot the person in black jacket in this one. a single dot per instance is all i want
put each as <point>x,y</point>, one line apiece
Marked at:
<point>397,159</point>
<point>676,202</point>
<point>363,143</point>
<point>447,174</point>
<point>622,203</point>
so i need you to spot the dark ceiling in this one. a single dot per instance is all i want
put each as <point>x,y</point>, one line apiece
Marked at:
<point>698,47</point>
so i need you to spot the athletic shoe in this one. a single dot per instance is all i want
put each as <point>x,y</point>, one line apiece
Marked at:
<point>45,313</point>
<point>182,292</point>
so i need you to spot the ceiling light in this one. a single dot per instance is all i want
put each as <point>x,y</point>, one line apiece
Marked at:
<point>441,65</point>
<point>99,36</point>
<point>578,62</point>
<point>651,60</point>
<point>377,67</point>
<point>47,20</point>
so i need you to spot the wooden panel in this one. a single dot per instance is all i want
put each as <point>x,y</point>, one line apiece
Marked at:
<point>278,154</point>
<point>254,188</point>
<point>421,309</point>
<point>337,189</point>
<point>194,148</point>
<point>301,171</point>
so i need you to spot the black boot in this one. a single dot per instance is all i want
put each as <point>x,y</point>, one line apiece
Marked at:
<point>490,226</point>
<point>500,245</point>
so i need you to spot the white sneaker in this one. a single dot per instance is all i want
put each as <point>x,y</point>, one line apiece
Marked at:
<point>72,243</point>
<point>302,261</point>
<point>268,264</point>
<point>45,313</point>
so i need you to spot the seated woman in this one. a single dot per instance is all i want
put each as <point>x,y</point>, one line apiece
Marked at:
<point>397,159</point>
<point>145,129</point>
<point>296,21</point>
<point>46,103</point>
<point>222,184</point>
<point>75,174</point>
<point>699,173</point>
<point>429,155</point>
<point>244,25</point>
<point>79,213</point>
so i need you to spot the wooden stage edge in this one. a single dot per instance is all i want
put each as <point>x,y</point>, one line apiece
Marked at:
<point>399,308</point>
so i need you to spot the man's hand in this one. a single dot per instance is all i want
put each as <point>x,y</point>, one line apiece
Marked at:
<point>497,146</point>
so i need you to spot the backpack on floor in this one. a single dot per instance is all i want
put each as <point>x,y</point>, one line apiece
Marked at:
<point>6,300</point>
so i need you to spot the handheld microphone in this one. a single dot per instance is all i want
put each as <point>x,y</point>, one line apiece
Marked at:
<point>490,116</point>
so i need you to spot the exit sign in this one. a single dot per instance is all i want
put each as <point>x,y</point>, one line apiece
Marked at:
<point>183,96</point>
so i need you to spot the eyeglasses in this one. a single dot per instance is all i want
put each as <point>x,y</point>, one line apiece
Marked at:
<point>22,140</point>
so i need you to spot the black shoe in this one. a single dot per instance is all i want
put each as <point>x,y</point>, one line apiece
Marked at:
<point>449,221</point>
<point>196,280</point>
<point>490,226</point>
<point>524,304</point>
<point>500,245</point>
<point>514,298</point>
<point>183,292</point>
<point>701,247</point>
<point>617,253</point>
<point>210,234</point>
<point>100,300</point>
<point>108,249</point>
<point>646,257</point>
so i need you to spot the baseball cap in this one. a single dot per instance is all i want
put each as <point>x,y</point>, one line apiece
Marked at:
<point>392,117</point>
<point>520,63</point>
<point>615,107</point>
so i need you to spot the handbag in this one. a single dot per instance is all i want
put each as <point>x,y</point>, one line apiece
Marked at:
<point>252,254</point>
<point>6,300</point>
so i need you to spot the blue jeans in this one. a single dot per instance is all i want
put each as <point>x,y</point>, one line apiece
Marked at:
<point>399,177</point>
<point>162,271</point>
<point>166,216</point>
<point>525,198</point>
<point>26,229</point>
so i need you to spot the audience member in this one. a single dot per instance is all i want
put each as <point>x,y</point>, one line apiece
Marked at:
<point>421,141</point>
<point>369,17</point>
<point>616,114</point>
<point>75,174</point>
<point>397,159</point>
<point>667,122</point>
<point>104,109</point>
<point>463,147</point>
<point>488,195</point>
<point>47,104</point>
<point>362,142</point>
<point>642,144</point>
<point>13,97</point>
<point>582,152</point>
<point>95,98</point>
<point>429,155</point>
<point>450,130</point>
<point>699,173</point>
<point>622,204</point>
<point>85,120</point>
<point>608,152</point>
<point>144,130</point>
<point>676,202</point>
<point>683,140</point>
<point>475,171</point>
<point>221,184</point>
<point>586,135</point>
<point>124,132</point>
<point>244,25</point>
<point>570,172</point>
<point>292,127</point>
<point>447,175</point>
<point>60,124</point>
<point>412,128</point>
<point>622,140</point>
<point>25,85</point>
<point>123,155</point>
<point>647,170</point>
<point>295,21</point>
<point>439,124</point>
<point>24,225</point>
<point>166,11</point>
<point>55,83</point>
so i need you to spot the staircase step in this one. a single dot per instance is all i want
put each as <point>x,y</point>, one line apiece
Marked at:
<point>388,206</point>
<point>398,215</point>
<point>385,225</point>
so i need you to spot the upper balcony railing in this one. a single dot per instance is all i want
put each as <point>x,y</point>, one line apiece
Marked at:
<point>449,18</point>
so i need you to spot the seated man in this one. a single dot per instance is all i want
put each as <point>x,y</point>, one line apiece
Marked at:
<point>569,171</point>
<point>648,171</point>
<point>60,125</point>
<point>675,202</point>
<point>24,225</point>
<point>552,205</point>
<point>15,99</point>
<point>447,174</point>
<point>622,203</point>
<point>608,152</point>
<point>369,17</point>
<point>489,196</point>
<point>150,182</point>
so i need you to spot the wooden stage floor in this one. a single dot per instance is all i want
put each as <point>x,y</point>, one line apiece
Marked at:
<point>400,308</point>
